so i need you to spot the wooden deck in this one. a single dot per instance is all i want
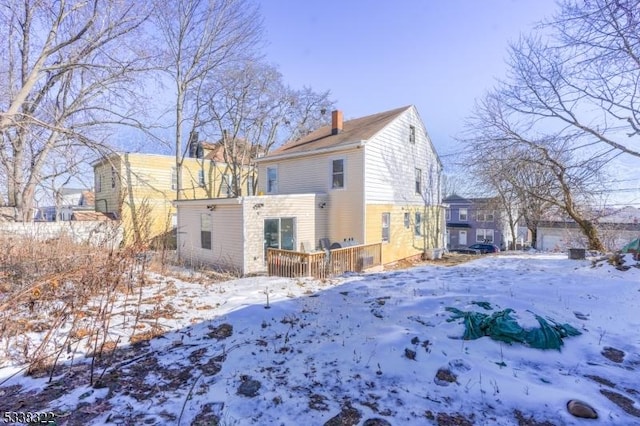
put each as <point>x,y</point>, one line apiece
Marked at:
<point>291,264</point>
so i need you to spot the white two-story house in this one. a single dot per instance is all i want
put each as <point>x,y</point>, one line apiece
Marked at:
<point>374,179</point>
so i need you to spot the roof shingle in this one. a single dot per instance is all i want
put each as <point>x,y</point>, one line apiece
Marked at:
<point>358,129</point>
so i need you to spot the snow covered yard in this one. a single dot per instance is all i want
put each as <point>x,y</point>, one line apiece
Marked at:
<point>371,349</point>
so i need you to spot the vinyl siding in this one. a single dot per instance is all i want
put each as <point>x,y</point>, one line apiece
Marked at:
<point>312,174</point>
<point>144,196</point>
<point>310,223</point>
<point>226,236</point>
<point>403,242</point>
<point>238,228</point>
<point>391,161</point>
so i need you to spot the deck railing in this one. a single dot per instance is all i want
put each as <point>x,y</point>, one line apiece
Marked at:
<point>286,263</point>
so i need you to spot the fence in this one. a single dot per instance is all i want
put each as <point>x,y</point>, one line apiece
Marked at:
<point>96,233</point>
<point>285,263</point>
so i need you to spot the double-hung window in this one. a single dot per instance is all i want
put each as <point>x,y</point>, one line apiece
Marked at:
<point>386,225</point>
<point>484,235</point>
<point>418,223</point>
<point>463,214</point>
<point>485,216</point>
<point>418,181</point>
<point>227,184</point>
<point>272,180</point>
<point>412,134</point>
<point>174,178</point>
<point>337,174</point>
<point>205,231</point>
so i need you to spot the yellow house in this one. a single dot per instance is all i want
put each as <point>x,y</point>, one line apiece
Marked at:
<point>369,180</point>
<point>140,189</point>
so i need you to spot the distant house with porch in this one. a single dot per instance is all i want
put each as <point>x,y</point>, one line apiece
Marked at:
<point>474,220</point>
<point>370,180</point>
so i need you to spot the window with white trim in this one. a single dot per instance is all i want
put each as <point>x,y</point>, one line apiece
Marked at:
<point>113,177</point>
<point>412,134</point>
<point>174,178</point>
<point>418,223</point>
<point>484,216</point>
<point>448,214</point>
<point>386,226</point>
<point>272,180</point>
<point>418,181</point>
<point>98,182</point>
<point>227,184</point>
<point>484,235</point>
<point>463,214</point>
<point>205,231</point>
<point>337,174</point>
<point>250,185</point>
<point>407,220</point>
<point>201,177</point>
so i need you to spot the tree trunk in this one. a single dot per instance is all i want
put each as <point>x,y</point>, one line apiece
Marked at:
<point>534,237</point>
<point>591,232</point>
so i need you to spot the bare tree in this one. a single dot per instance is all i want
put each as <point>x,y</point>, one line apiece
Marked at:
<point>581,82</point>
<point>502,140</point>
<point>200,38</point>
<point>251,110</point>
<point>66,76</point>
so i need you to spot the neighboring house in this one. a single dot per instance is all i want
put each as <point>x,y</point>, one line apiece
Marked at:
<point>363,181</point>
<point>616,227</point>
<point>474,220</point>
<point>68,201</point>
<point>140,188</point>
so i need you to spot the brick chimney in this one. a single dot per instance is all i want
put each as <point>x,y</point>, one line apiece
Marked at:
<point>336,122</point>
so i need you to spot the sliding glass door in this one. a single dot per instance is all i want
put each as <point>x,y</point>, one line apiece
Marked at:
<point>279,234</point>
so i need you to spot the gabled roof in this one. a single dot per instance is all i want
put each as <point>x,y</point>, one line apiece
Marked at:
<point>356,130</point>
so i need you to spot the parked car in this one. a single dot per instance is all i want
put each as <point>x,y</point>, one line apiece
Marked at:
<point>464,250</point>
<point>485,248</point>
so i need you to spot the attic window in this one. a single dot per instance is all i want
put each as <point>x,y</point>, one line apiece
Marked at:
<point>412,134</point>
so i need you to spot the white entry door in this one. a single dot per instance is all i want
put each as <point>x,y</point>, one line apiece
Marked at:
<point>463,238</point>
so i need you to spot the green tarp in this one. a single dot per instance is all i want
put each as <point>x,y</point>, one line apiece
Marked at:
<point>503,327</point>
<point>632,247</point>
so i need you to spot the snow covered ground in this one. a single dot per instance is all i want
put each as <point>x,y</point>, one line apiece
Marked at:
<point>361,350</point>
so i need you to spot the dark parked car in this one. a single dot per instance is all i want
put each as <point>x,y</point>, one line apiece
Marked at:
<point>485,248</point>
<point>464,250</point>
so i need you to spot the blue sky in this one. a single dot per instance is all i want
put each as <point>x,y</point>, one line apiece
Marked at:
<point>375,56</point>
